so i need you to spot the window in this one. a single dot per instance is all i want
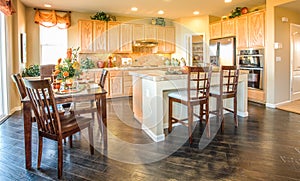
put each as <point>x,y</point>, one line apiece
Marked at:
<point>3,58</point>
<point>53,44</point>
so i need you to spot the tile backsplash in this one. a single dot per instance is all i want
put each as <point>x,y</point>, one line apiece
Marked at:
<point>138,59</point>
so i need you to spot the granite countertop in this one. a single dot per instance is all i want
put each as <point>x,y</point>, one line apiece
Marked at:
<point>135,68</point>
<point>160,75</point>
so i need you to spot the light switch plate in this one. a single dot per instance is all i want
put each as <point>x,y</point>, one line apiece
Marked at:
<point>278,59</point>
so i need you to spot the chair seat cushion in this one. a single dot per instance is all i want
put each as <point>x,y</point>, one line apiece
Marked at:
<point>181,94</point>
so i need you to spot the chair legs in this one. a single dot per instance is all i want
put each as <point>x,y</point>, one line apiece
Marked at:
<point>91,139</point>
<point>60,158</point>
<point>40,152</point>
<point>235,112</point>
<point>170,115</point>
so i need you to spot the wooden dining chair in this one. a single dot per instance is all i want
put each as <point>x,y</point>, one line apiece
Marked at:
<point>196,94</point>
<point>46,71</point>
<point>227,89</point>
<point>50,124</point>
<point>81,109</point>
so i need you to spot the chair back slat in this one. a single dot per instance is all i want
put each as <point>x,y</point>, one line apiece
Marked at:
<point>17,78</point>
<point>198,82</point>
<point>103,78</point>
<point>46,71</point>
<point>229,79</point>
<point>43,105</point>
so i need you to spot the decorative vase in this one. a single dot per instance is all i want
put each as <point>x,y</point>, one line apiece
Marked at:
<point>100,64</point>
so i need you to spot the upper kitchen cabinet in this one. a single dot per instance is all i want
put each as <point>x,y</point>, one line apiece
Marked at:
<point>92,36</point>
<point>138,32</point>
<point>113,36</point>
<point>126,38</point>
<point>215,30</point>
<point>166,39</point>
<point>250,30</point>
<point>256,26</point>
<point>119,37</point>
<point>242,32</point>
<point>170,40</point>
<point>150,32</point>
<point>228,28</point>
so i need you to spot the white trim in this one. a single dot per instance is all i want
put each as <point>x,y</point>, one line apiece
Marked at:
<point>18,108</point>
<point>156,138</point>
<point>269,105</point>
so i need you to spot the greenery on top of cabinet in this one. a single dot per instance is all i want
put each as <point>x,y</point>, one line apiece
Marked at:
<point>103,16</point>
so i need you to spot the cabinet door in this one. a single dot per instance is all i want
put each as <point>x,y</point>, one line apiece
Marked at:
<point>138,32</point>
<point>228,28</point>
<point>170,40</point>
<point>242,32</point>
<point>150,32</point>
<point>126,38</point>
<point>85,29</point>
<point>127,82</point>
<point>116,83</point>
<point>215,30</point>
<point>161,37</point>
<point>256,27</point>
<point>113,35</point>
<point>99,36</point>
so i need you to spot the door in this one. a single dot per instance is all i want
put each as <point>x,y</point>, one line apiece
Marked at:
<point>295,61</point>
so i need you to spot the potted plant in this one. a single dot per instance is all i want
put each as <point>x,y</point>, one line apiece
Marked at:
<point>31,71</point>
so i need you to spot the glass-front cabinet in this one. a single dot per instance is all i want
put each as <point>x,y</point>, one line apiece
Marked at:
<point>195,49</point>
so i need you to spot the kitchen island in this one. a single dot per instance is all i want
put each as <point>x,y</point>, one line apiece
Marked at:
<point>150,98</point>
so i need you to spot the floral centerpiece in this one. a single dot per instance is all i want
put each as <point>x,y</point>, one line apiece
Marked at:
<point>69,68</point>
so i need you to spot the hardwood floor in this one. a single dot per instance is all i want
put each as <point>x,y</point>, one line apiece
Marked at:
<point>265,146</point>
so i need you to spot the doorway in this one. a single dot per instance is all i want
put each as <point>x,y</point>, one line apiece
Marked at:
<point>3,82</point>
<point>295,61</point>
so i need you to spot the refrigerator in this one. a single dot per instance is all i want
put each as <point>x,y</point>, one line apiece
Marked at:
<point>222,51</point>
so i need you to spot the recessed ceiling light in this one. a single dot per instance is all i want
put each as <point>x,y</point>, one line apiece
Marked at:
<point>47,5</point>
<point>196,12</point>
<point>227,1</point>
<point>160,12</point>
<point>134,9</point>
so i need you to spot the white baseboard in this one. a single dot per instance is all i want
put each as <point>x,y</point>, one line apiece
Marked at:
<point>18,108</point>
<point>154,137</point>
<point>278,104</point>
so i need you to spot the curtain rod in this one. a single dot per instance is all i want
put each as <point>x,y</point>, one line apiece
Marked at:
<point>51,10</point>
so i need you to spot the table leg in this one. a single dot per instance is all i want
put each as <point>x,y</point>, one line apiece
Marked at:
<point>101,108</point>
<point>27,133</point>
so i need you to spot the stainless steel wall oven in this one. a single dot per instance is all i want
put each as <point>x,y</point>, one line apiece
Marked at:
<point>253,61</point>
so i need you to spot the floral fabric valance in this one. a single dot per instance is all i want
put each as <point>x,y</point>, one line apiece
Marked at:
<point>50,19</point>
<point>7,7</point>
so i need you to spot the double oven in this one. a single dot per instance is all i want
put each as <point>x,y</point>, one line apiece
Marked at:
<point>253,61</point>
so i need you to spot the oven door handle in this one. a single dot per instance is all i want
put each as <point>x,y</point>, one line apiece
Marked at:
<point>251,68</point>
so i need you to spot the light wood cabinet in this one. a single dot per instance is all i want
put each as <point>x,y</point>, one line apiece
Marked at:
<point>228,28</point>
<point>115,83</point>
<point>92,36</point>
<point>215,30</point>
<point>256,28</point>
<point>125,38</point>
<point>119,37</point>
<point>113,36</point>
<point>127,82</point>
<point>250,30</point>
<point>150,32</point>
<point>170,40</point>
<point>242,32</point>
<point>138,32</point>
<point>166,39</point>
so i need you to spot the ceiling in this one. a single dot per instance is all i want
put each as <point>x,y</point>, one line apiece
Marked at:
<point>147,8</point>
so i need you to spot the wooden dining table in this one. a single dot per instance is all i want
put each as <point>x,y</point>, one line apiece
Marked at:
<point>96,94</point>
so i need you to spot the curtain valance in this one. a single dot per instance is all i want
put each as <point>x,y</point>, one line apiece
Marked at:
<point>50,19</point>
<point>7,7</point>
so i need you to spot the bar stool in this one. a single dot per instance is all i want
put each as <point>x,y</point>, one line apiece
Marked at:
<point>197,93</point>
<point>229,76</point>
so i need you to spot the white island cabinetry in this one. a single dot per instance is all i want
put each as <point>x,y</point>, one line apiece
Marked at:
<point>150,98</point>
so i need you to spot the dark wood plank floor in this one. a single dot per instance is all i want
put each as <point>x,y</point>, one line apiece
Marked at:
<point>265,146</point>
